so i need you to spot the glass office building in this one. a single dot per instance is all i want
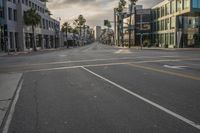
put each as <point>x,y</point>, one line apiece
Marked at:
<point>176,24</point>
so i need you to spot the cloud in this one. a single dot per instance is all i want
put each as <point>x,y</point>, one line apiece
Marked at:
<point>55,4</point>
<point>95,11</point>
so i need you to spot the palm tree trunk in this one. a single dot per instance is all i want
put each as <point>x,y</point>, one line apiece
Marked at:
<point>129,30</point>
<point>67,39</point>
<point>84,35</point>
<point>118,32</point>
<point>122,36</point>
<point>80,35</point>
<point>33,39</point>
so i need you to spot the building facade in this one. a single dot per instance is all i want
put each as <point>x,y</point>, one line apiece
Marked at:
<point>2,22</point>
<point>176,24</point>
<point>18,36</point>
<point>140,26</point>
<point>97,32</point>
<point>169,24</point>
<point>123,25</point>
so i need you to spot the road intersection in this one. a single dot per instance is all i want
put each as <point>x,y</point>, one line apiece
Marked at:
<point>95,88</point>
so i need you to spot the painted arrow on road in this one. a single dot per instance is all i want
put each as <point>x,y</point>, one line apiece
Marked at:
<point>175,67</point>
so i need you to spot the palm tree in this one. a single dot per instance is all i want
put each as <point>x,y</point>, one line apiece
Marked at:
<point>74,31</point>
<point>66,27</point>
<point>80,22</point>
<point>121,5</point>
<point>32,18</point>
<point>133,2</point>
<point>120,9</point>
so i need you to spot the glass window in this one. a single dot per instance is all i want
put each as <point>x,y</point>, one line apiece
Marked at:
<point>158,25</point>
<point>167,38</point>
<point>1,9</point>
<point>186,4</point>
<point>179,5</point>
<point>172,19</point>
<point>158,13</point>
<point>15,15</point>
<point>162,38</point>
<point>167,24</point>
<point>173,7</point>
<point>10,13</point>
<point>196,3</point>
<point>167,9</point>
<point>171,38</point>
<point>162,11</point>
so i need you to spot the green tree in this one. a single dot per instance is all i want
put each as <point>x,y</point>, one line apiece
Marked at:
<point>121,5</point>
<point>66,27</point>
<point>80,22</point>
<point>133,2</point>
<point>32,18</point>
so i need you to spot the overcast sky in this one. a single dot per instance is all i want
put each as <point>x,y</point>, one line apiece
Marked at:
<point>95,11</point>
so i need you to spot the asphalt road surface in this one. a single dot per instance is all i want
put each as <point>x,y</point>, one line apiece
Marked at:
<point>104,89</point>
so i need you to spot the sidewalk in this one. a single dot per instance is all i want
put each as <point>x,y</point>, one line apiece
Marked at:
<point>39,51</point>
<point>4,54</point>
<point>8,86</point>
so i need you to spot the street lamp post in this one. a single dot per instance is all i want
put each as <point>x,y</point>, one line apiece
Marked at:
<point>141,35</point>
<point>141,40</point>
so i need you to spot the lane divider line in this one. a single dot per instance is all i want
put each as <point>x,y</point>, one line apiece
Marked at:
<point>94,60</point>
<point>185,120</point>
<point>166,72</point>
<point>106,64</point>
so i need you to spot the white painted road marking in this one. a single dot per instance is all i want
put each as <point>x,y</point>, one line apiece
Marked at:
<point>62,55</point>
<point>175,67</point>
<point>123,51</point>
<point>95,60</point>
<point>185,120</point>
<point>12,108</point>
<point>108,64</point>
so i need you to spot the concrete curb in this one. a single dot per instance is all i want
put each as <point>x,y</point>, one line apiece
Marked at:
<point>32,52</point>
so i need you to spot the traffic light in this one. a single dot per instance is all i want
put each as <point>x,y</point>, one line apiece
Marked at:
<point>5,30</point>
